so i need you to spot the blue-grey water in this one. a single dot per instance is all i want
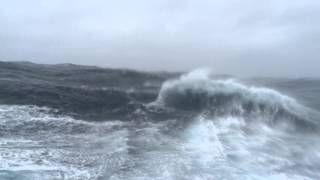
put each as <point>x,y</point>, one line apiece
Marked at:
<point>76,122</point>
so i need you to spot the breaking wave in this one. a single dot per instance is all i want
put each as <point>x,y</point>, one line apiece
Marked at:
<point>196,92</point>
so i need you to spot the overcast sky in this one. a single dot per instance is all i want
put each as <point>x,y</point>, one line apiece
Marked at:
<point>240,37</point>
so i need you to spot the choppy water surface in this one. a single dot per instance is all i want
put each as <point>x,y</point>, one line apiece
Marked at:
<point>70,122</point>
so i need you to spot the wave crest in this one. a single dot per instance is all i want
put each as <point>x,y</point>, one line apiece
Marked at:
<point>197,92</point>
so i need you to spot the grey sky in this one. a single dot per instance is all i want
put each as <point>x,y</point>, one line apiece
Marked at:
<point>241,37</point>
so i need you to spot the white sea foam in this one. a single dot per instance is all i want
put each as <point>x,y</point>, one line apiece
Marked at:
<point>34,141</point>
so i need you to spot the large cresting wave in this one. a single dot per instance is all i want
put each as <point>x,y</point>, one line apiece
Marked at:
<point>196,92</point>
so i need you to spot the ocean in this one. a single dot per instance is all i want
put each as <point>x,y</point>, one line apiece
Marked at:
<point>85,123</point>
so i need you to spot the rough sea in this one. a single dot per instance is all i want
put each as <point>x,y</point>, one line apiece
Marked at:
<point>87,123</point>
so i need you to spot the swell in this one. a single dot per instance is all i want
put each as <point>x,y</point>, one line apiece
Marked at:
<point>196,92</point>
<point>209,128</point>
<point>92,93</point>
<point>83,92</point>
<point>86,104</point>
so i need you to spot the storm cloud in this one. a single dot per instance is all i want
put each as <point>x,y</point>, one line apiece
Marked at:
<point>240,37</point>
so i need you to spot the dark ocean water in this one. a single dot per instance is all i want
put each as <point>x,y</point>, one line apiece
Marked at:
<point>77,122</point>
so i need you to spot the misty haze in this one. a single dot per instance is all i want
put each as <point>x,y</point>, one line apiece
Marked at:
<point>163,89</point>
